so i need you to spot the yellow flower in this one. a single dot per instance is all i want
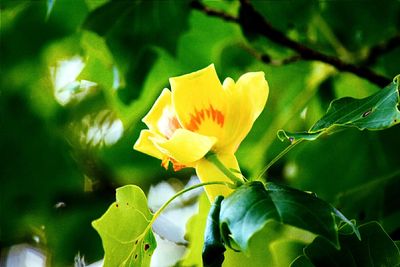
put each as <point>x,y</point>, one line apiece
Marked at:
<point>199,115</point>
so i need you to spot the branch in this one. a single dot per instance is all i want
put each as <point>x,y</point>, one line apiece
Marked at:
<point>252,22</point>
<point>279,62</point>
<point>267,59</point>
<point>213,13</point>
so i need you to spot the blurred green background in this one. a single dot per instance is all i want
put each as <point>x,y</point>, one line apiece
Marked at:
<point>77,77</point>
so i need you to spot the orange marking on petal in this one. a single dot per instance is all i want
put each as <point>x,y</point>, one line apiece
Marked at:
<point>174,124</point>
<point>165,162</point>
<point>175,164</point>
<point>198,117</point>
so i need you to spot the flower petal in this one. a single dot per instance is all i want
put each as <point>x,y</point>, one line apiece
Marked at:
<point>185,146</point>
<point>207,172</point>
<point>145,145</point>
<point>162,118</point>
<point>200,102</point>
<point>247,100</point>
<point>254,86</point>
<point>153,116</point>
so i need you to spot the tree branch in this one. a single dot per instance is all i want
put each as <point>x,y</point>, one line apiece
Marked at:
<point>195,4</point>
<point>254,23</point>
<point>276,62</point>
<point>267,58</point>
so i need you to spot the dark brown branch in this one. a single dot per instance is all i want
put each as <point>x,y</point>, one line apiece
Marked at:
<point>252,22</point>
<point>280,62</point>
<point>267,58</point>
<point>213,13</point>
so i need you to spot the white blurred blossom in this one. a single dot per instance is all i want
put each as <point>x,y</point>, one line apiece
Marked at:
<point>24,255</point>
<point>66,86</point>
<point>170,226</point>
<point>102,128</point>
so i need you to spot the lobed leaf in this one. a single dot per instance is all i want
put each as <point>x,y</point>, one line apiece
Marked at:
<point>376,112</point>
<point>251,206</point>
<point>374,249</point>
<point>124,231</point>
<point>275,245</point>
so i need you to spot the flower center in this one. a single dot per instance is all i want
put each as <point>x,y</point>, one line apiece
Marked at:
<point>168,122</point>
<point>199,116</point>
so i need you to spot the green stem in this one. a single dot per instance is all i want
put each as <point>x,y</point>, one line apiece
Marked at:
<point>278,157</point>
<point>164,206</point>
<point>213,158</point>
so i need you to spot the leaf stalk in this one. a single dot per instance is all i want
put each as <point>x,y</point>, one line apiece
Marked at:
<point>213,158</point>
<point>183,191</point>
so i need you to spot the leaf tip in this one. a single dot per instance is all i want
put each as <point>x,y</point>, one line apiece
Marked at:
<point>396,79</point>
<point>282,135</point>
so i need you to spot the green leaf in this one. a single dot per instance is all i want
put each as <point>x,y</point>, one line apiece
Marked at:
<point>195,234</point>
<point>132,30</point>
<point>366,28</point>
<point>99,64</point>
<point>374,249</point>
<point>93,4</point>
<point>376,112</point>
<point>251,206</point>
<point>213,251</point>
<point>285,250</point>
<point>397,243</point>
<point>285,15</point>
<point>275,245</point>
<point>374,200</point>
<point>127,239</point>
<point>301,261</point>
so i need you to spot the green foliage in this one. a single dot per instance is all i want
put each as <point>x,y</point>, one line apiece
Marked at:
<point>275,245</point>
<point>246,210</point>
<point>124,229</point>
<point>376,112</point>
<point>195,234</point>
<point>382,207</point>
<point>131,38</point>
<point>59,173</point>
<point>213,253</point>
<point>252,206</point>
<point>374,249</point>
